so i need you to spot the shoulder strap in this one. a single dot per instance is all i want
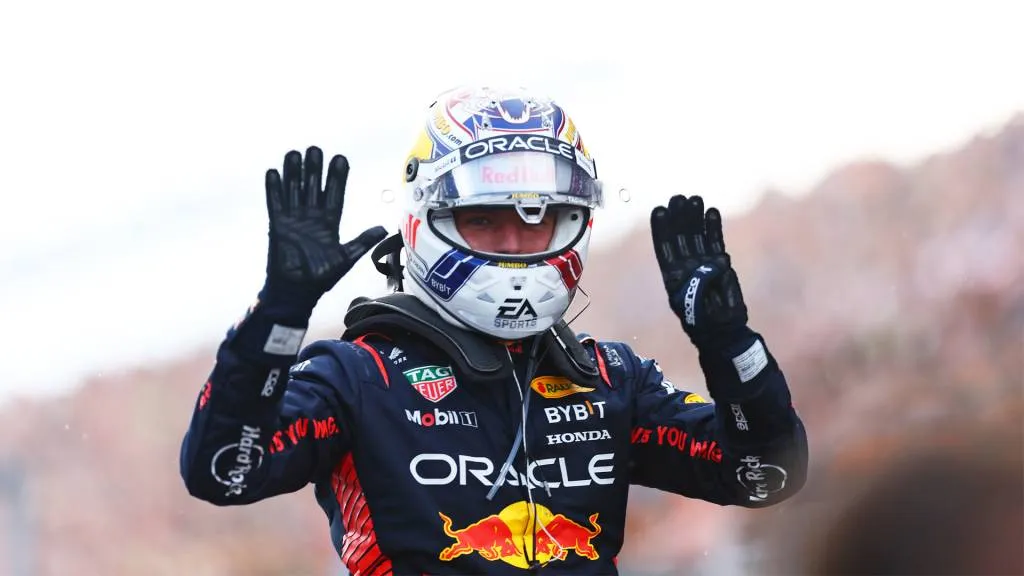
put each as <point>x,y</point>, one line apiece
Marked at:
<point>405,312</point>
<point>473,353</point>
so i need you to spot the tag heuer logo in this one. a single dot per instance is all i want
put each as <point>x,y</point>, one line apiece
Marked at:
<point>433,382</point>
<point>556,386</point>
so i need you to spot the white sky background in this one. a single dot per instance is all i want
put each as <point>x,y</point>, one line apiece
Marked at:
<point>134,138</point>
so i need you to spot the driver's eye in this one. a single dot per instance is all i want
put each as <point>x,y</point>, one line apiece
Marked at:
<point>478,221</point>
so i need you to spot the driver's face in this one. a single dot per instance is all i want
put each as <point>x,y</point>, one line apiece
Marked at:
<point>502,231</point>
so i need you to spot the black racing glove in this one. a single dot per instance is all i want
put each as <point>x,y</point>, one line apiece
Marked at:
<point>305,259</point>
<point>702,286</point>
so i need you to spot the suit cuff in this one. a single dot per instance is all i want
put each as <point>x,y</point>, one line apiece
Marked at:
<point>736,370</point>
<point>271,332</point>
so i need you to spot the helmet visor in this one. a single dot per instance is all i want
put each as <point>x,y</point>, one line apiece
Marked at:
<point>515,177</point>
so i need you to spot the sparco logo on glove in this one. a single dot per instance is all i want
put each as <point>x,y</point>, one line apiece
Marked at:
<point>689,301</point>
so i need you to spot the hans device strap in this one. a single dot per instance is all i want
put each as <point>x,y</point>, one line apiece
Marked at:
<point>475,355</point>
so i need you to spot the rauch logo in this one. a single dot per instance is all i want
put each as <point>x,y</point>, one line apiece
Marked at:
<point>556,386</point>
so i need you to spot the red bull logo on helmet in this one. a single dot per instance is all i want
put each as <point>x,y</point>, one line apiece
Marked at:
<point>508,536</point>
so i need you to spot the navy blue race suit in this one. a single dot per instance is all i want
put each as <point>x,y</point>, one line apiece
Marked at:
<point>405,450</point>
<point>435,450</point>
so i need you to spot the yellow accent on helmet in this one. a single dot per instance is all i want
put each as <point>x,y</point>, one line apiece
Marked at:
<point>422,150</point>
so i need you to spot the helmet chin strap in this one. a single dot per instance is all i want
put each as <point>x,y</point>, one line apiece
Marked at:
<point>391,267</point>
<point>585,306</point>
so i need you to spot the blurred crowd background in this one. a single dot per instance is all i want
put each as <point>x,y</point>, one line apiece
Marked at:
<point>886,272</point>
<point>893,299</point>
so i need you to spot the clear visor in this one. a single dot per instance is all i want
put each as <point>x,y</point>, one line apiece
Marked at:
<point>522,178</point>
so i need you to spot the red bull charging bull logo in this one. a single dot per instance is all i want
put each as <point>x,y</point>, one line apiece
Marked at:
<point>508,536</point>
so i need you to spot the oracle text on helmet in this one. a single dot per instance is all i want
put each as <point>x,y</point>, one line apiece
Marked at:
<point>518,143</point>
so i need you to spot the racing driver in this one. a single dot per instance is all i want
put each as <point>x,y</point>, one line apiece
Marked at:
<point>458,425</point>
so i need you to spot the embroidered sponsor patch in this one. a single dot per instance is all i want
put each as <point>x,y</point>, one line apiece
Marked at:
<point>284,341</point>
<point>750,363</point>
<point>432,382</point>
<point>694,398</point>
<point>556,386</point>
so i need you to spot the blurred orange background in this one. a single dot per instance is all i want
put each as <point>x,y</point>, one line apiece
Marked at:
<point>893,297</point>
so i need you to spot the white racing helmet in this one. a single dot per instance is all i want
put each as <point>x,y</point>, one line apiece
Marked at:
<point>484,147</point>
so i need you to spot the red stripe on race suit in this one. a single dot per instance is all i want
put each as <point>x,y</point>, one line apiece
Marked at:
<point>376,357</point>
<point>600,365</point>
<point>359,551</point>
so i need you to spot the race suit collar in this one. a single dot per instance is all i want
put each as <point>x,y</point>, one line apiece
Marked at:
<point>476,355</point>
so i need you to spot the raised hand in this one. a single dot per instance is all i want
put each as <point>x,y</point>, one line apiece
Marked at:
<point>702,286</point>
<point>305,256</point>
